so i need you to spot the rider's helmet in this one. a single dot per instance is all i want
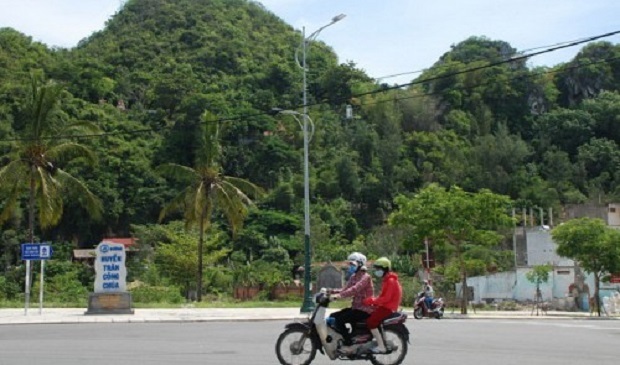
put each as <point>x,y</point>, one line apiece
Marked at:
<point>358,259</point>
<point>382,263</point>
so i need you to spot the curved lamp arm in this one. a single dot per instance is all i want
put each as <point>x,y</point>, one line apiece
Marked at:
<point>305,41</point>
<point>296,115</point>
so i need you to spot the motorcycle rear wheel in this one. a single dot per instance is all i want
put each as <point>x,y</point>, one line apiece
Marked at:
<point>396,341</point>
<point>295,347</point>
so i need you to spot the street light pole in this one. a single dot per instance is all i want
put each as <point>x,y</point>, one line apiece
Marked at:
<point>428,263</point>
<point>307,305</point>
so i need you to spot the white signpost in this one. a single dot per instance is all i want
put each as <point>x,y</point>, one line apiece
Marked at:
<point>110,296</point>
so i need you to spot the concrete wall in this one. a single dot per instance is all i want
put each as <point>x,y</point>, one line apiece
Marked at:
<point>585,210</point>
<point>613,215</point>
<point>541,249</point>
<point>515,286</point>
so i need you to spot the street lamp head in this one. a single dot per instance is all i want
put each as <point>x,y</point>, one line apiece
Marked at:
<point>276,111</point>
<point>338,18</point>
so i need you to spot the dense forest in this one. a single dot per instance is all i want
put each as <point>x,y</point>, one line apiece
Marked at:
<point>144,89</point>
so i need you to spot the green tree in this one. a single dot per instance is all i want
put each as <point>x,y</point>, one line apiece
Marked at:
<point>456,219</point>
<point>538,275</point>
<point>177,254</point>
<point>439,157</point>
<point>35,162</point>
<point>605,110</point>
<point>567,129</point>
<point>207,189</point>
<point>495,159</point>
<point>591,243</point>
<point>599,158</point>
<point>557,169</point>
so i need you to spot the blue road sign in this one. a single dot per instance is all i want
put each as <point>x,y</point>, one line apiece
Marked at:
<point>35,251</point>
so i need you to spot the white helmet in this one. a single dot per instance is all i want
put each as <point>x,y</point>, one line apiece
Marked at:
<point>357,258</point>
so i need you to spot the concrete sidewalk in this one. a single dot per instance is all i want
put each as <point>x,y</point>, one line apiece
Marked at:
<point>76,315</point>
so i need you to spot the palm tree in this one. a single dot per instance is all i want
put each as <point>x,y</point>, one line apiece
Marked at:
<point>208,189</point>
<point>34,162</point>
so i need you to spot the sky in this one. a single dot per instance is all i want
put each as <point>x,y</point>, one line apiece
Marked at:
<point>382,37</point>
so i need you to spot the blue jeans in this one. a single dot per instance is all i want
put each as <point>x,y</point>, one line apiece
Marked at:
<point>429,302</point>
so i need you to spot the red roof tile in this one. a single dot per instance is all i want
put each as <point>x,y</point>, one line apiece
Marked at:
<point>127,242</point>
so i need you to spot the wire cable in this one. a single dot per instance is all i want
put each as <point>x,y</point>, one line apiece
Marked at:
<point>470,87</point>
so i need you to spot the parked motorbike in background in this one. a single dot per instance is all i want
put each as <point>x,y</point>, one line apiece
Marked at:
<point>420,310</point>
<point>300,341</point>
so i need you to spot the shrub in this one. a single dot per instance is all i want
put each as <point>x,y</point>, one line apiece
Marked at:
<point>8,289</point>
<point>64,288</point>
<point>411,287</point>
<point>217,280</point>
<point>406,265</point>
<point>156,294</point>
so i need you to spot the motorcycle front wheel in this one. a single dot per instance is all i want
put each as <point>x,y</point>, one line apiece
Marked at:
<point>295,347</point>
<point>395,341</point>
<point>418,313</point>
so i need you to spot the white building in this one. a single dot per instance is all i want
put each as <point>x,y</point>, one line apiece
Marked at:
<point>538,248</point>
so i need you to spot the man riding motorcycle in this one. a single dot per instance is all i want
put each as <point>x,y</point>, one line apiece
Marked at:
<point>359,286</point>
<point>429,293</point>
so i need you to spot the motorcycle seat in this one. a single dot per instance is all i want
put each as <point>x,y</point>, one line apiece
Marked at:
<point>396,317</point>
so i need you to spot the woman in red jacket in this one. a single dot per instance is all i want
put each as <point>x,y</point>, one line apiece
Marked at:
<point>386,303</point>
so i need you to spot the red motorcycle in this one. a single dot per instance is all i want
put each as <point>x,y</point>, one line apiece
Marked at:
<point>420,310</point>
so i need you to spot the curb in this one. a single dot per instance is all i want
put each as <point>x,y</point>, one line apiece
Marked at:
<point>15,316</point>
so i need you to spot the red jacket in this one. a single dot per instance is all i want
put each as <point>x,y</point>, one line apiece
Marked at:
<point>391,293</point>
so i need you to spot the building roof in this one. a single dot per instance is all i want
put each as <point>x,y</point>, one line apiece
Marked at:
<point>84,254</point>
<point>128,242</point>
<point>125,241</point>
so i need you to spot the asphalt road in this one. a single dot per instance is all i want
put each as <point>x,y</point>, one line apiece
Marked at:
<point>463,342</point>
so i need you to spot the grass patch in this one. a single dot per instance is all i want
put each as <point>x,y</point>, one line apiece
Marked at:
<point>206,303</point>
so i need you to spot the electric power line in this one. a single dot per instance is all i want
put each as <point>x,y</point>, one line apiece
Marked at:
<point>531,75</point>
<point>493,64</point>
<point>523,52</point>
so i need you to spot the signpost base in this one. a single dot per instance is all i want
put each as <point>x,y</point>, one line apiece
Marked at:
<point>109,303</point>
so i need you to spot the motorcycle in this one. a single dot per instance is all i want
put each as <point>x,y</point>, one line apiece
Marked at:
<point>420,310</point>
<point>299,342</point>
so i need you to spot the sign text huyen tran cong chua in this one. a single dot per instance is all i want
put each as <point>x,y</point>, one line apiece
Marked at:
<point>110,268</point>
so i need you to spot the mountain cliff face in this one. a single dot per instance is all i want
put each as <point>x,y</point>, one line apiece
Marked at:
<point>595,68</point>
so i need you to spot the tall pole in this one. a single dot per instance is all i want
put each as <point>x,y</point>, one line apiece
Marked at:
<point>428,263</point>
<point>514,239</point>
<point>307,305</point>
